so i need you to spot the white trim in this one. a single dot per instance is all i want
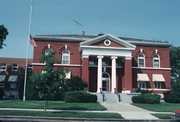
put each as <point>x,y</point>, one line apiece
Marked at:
<point>126,91</point>
<point>65,54</point>
<point>151,68</point>
<point>102,47</point>
<point>158,89</point>
<point>141,58</point>
<point>110,37</point>
<point>67,65</point>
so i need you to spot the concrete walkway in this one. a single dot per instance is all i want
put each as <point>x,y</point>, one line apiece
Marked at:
<point>126,110</point>
<point>129,111</point>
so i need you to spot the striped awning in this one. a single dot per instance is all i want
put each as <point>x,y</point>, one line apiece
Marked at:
<point>142,77</point>
<point>158,78</point>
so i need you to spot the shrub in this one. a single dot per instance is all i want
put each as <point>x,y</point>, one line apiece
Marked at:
<point>143,91</point>
<point>1,93</point>
<point>80,96</point>
<point>138,99</point>
<point>152,98</point>
<point>170,97</point>
<point>146,98</point>
<point>76,83</point>
<point>173,96</point>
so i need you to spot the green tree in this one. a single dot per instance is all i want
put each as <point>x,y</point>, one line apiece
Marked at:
<point>49,82</point>
<point>3,34</point>
<point>175,61</point>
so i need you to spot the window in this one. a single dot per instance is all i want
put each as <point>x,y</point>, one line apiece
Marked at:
<point>2,67</point>
<point>141,60</point>
<point>14,67</point>
<point>141,84</point>
<point>30,66</point>
<point>2,85</point>
<point>2,77</point>
<point>12,78</point>
<point>65,57</point>
<point>156,60</point>
<point>157,85</point>
<point>47,51</point>
<point>13,85</point>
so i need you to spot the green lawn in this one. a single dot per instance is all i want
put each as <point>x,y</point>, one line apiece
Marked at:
<point>162,107</point>
<point>63,114</point>
<point>162,116</point>
<point>51,105</point>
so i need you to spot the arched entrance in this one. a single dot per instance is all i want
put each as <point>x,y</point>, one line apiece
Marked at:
<point>105,81</point>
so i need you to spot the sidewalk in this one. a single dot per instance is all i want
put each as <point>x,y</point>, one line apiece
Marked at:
<point>126,110</point>
<point>129,111</point>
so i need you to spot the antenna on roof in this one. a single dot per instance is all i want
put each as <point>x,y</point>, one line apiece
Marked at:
<point>78,24</point>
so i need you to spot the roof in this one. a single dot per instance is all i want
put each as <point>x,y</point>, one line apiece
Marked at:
<point>20,61</point>
<point>81,38</point>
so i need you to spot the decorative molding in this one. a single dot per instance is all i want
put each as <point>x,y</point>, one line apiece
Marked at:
<point>126,91</point>
<point>128,58</point>
<point>151,68</point>
<point>85,56</point>
<point>65,65</point>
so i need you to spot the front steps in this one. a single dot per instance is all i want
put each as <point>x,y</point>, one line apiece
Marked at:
<point>115,98</point>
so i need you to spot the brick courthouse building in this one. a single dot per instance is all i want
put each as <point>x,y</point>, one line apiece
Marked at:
<point>109,63</point>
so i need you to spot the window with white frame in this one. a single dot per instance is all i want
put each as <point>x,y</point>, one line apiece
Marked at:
<point>47,51</point>
<point>157,85</point>
<point>65,56</point>
<point>141,84</point>
<point>14,67</point>
<point>141,60</point>
<point>2,67</point>
<point>156,60</point>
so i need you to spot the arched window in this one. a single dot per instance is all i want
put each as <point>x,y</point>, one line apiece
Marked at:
<point>156,60</point>
<point>47,51</point>
<point>65,56</point>
<point>141,60</point>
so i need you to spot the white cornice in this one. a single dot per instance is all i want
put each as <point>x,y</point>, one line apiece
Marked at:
<point>108,36</point>
<point>151,68</point>
<point>64,65</point>
<point>102,47</point>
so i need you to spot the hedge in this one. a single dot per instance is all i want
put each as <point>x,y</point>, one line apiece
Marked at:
<point>80,96</point>
<point>147,98</point>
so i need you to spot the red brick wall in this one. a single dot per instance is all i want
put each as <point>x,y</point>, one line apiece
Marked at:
<point>148,52</point>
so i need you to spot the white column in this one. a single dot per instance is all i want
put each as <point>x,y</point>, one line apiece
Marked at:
<point>113,74</point>
<point>99,75</point>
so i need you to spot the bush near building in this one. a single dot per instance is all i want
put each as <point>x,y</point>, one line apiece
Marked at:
<point>80,96</point>
<point>173,96</point>
<point>147,98</point>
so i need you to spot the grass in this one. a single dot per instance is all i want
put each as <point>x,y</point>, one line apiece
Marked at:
<point>52,105</point>
<point>62,114</point>
<point>162,107</point>
<point>162,116</point>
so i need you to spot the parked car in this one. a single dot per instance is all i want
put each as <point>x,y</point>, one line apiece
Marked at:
<point>176,115</point>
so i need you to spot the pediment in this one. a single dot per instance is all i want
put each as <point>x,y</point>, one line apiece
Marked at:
<point>107,40</point>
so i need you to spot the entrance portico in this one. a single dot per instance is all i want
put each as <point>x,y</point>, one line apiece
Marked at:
<point>114,48</point>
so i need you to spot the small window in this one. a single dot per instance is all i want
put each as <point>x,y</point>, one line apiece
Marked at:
<point>13,85</point>
<point>157,85</point>
<point>156,60</point>
<point>2,85</point>
<point>65,56</point>
<point>141,84</point>
<point>47,51</point>
<point>30,66</point>
<point>2,67</point>
<point>141,60</point>
<point>12,78</point>
<point>14,67</point>
<point>2,78</point>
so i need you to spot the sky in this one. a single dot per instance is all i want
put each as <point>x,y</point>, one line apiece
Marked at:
<point>157,20</point>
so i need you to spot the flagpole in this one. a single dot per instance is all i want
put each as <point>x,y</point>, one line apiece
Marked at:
<point>27,51</point>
